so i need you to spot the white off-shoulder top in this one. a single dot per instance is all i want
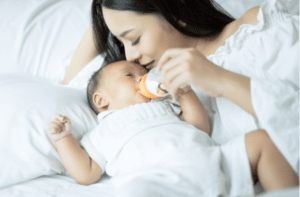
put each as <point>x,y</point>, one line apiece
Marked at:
<point>268,53</point>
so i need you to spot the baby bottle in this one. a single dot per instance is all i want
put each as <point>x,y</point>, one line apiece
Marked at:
<point>150,85</point>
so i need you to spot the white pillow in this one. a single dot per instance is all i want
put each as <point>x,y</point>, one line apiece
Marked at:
<point>28,104</point>
<point>82,79</point>
<point>36,35</point>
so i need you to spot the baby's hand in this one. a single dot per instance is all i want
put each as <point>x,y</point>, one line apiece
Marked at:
<point>59,128</point>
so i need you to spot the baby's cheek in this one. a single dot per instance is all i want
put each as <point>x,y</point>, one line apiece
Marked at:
<point>145,99</point>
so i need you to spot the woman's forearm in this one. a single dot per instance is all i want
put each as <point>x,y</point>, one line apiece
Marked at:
<point>85,53</point>
<point>237,88</point>
<point>77,162</point>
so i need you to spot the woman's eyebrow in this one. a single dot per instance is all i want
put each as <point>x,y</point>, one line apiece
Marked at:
<point>125,33</point>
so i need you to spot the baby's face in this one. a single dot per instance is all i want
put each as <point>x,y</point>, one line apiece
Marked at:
<point>121,81</point>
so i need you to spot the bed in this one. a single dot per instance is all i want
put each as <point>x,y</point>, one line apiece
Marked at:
<point>37,41</point>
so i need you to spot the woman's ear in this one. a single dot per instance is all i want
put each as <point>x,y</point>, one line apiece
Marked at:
<point>100,101</point>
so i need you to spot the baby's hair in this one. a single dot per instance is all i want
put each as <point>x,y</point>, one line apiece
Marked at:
<point>92,87</point>
<point>94,84</point>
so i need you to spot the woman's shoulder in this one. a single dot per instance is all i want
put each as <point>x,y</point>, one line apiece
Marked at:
<point>250,16</point>
<point>272,13</point>
<point>269,21</point>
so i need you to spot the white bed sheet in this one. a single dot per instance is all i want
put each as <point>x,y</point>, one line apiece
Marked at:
<point>19,55</point>
<point>58,186</point>
<point>64,186</point>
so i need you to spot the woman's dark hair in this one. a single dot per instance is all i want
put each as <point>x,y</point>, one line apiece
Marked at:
<point>195,18</point>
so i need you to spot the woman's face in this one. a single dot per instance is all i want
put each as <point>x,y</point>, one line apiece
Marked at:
<point>145,36</point>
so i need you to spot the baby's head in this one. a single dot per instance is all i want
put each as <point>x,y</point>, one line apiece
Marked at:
<point>116,86</point>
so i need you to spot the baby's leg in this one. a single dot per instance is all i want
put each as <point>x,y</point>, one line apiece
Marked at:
<point>267,163</point>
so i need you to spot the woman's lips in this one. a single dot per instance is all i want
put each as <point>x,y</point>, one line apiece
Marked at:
<point>149,65</point>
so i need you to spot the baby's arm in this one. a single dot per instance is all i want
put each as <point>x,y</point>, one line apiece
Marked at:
<point>193,111</point>
<point>75,159</point>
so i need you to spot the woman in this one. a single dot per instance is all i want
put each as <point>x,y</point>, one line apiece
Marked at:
<point>247,68</point>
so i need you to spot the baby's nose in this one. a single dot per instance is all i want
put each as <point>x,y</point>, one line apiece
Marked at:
<point>140,78</point>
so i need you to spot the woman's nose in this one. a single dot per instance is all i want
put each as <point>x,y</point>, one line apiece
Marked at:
<point>132,55</point>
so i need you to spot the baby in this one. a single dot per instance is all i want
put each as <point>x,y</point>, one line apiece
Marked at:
<point>149,151</point>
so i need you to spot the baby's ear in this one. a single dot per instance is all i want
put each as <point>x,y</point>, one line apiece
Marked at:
<point>100,101</point>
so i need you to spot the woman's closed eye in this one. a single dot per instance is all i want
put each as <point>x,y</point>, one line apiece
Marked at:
<point>136,42</point>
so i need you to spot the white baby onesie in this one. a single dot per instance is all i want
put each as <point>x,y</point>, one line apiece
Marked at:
<point>149,151</point>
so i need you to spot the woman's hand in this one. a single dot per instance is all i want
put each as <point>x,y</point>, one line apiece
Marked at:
<point>59,128</point>
<point>182,67</point>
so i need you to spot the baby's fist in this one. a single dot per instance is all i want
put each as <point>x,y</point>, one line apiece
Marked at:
<point>59,128</point>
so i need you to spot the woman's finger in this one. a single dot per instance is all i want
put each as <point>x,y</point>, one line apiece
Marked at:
<point>172,63</point>
<point>178,82</point>
<point>169,54</point>
<point>172,73</point>
<point>169,74</point>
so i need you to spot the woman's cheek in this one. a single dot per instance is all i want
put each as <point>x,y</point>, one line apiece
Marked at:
<point>152,45</point>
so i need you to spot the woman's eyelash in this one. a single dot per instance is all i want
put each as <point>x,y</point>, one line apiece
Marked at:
<point>129,74</point>
<point>136,42</point>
